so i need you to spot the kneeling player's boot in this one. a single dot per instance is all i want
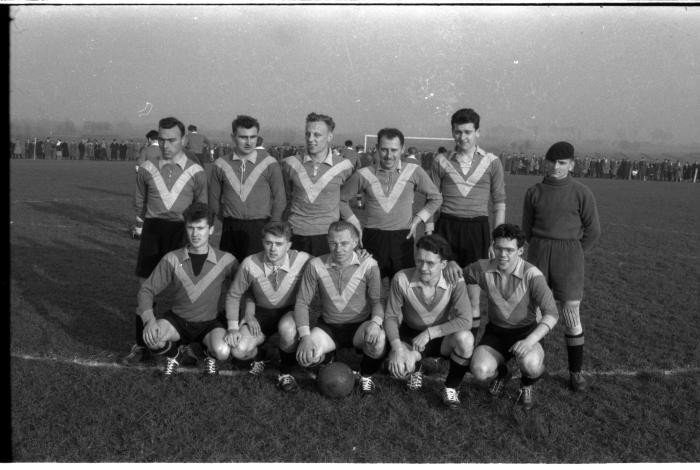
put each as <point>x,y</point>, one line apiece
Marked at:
<point>137,355</point>
<point>415,380</point>
<point>367,386</point>
<point>171,365</point>
<point>499,383</point>
<point>450,397</point>
<point>287,383</point>
<point>210,366</point>
<point>257,368</point>
<point>576,382</point>
<point>525,397</point>
<point>187,356</point>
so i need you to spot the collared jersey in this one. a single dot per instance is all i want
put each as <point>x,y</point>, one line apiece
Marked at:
<point>448,312</point>
<point>248,188</point>
<point>347,293</point>
<point>513,298</point>
<point>165,190</point>
<point>313,191</point>
<point>196,298</point>
<point>270,290</point>
<point>150,152</point>
<point>389,195</point>
<point>467,195</point>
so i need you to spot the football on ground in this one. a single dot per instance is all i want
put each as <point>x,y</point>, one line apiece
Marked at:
<point>336,380</point>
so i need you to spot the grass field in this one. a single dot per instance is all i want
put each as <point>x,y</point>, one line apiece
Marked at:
<point>72,293</point>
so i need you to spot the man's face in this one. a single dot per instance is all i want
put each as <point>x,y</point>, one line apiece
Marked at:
<point>466,136</point>
<point>507,253</point>
<point>559,169</point>
<point>170,141</point>
<point>390,151</point>
<point>244,140</point>
<point>429,266</point>
<point>318,137</point>
<point>342,245</point>
<point>275,247</point>
<point>198,233</point>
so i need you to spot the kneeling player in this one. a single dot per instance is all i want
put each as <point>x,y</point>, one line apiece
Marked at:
<point>198,273</point>
<point>515,289</point>
<point>268,283</point>
<point>351,311</point>
<point>427,316</point>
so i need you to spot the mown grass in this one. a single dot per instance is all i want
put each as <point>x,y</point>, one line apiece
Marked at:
<point>72,293</point>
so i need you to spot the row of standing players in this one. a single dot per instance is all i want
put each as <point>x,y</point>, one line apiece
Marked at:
<point>430,309</point>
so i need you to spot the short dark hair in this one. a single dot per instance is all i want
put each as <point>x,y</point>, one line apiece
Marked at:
<point>192,127</point>
<point>511,232</point>
<point>465,116</point>
<point>170,122</point>
<point>412,150</point>
<point>390,133</point>
<point>314,117</point>
<point>278,229</point>
<point>244,121</point>
<point>435,243</point>
<point>152,135</point>
<point>198,211</point>
<point>442,149</point>
<point>348,143</point>
<point>341,225</point>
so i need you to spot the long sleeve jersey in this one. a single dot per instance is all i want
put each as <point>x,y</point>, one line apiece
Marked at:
<point>467,195</point>
<point>313,191</point>
<point>348,294</point>
<point>561,210</point>
<point>513,298</point>
<point>247,188</point>
<point>389,195</point>
<point>270,289</point>
<point>164,190</point>
<point>448,312</point>
<point>197,298</point>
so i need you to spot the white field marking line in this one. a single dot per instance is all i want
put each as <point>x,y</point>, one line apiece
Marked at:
<point>12,222</point>
<point>562,373</point>
<point>60,199</point>
<point>649,227</point>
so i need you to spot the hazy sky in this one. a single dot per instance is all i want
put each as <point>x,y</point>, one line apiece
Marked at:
<point>612,72</point>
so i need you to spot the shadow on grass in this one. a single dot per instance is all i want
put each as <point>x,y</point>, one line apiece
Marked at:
<point>80,215</point>
<point>107,191</point>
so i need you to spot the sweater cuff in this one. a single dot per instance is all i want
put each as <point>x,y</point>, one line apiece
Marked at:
<point>303,331</point>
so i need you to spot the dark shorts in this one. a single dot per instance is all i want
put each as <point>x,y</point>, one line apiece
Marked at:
<point>315,245</point>
<point>158,238</point>
<point>501,339</point>
<point>342,335</point>
<point>432,349</point>
<point>468,238</point>
<point>390,248</point>
<point>193,332</point>
<point>241,237</point>
<point>270,318</point>
<point>561,262</point>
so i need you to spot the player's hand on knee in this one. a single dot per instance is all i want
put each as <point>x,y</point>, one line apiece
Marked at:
<point>399,362</point>
<point>151,334</point>
<point>307,352</point>
<point>253,325</point>
<point>452,272</point>
<point>521,348</point>
<point>233,338</point>
<point>372,333</point>
<point>420,341</point>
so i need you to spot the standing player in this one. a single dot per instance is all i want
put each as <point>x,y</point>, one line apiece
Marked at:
<point>560,221</point>
<point>151,151</point>
<point>199,273</point>
<point>267,283</point>
<point>313,183</point>
<point>428,317</point>
<point>195,143</point>
<point>247,189</point>
<point>351,312</point>
<point>388,190</point>
<point>163,191</point>
<point>515,290</point>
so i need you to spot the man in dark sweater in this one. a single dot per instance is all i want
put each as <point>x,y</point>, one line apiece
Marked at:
<point>560,221</point>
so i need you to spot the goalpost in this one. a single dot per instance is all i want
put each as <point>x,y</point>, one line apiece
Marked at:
<point>448,140</point>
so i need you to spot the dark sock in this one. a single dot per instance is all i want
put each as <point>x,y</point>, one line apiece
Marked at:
<point>526,381</point>
<point>574,348</point>
<point>287,361</point>
<point>138,331</point>
<point>369,365</point>
<point>502,370</point>
<point>455,374</point>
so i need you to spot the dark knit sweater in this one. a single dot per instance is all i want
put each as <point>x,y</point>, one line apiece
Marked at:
<point>561,210</point>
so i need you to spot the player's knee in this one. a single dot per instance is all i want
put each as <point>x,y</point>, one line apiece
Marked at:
<point>464,343</point>
<point>287,330</point>
<point>531,365</point>
<point>482,370</point>
<point>220,350</point>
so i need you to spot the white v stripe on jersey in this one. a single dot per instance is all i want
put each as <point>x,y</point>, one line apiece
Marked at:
<point>275,297</point>
<point>388,203</point>
<point>341,299</point>
<point>170,196</point>
<point>243,190</point>
<point>421,308</point>
<point>195,290</point>
<point>314,189</point>
<point>465,186</point>
<point>506,306</point>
